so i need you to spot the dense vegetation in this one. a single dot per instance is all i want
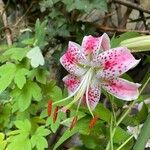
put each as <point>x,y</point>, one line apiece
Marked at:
<point>33,36</point>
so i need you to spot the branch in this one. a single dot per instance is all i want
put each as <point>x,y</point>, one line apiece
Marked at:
<point>20,19</point>
<point>105,28</point>
<point>132,5</point>
<point>5,22</point>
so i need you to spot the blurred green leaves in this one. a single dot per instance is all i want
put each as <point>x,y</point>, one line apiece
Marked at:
<point>25,139</point>
<point>23,97</point>
<point>3,142</point>
<point>7,73</point>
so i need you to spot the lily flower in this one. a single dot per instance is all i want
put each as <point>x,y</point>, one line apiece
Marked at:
<point>93,66</point>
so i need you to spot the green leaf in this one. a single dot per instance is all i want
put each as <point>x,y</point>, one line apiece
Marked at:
<point>38,138</point>
<point>67,134</point>
<point>20,144</point>
<point>102,112</point>
<point>28,41</point>
<point>40,75</point>
<point>23,100</point>
<point>138,118</point>
<point>36,57</point>
<point>24,126</point>
<point>82,126</point>
<point>120,135</point>
<point>53,126</point>
<point>5,113</point>
<point>115,41</point>
<point>16,53</point>
<point>7,73</point>
<point>40,32</point>
<point>2,142</point>
<point>85,5</point>
<point>20,78</point>
<point>42,131</point>
<point>39,142</point>
<point>35,91</point>
<point>56,93</point>
<point>143,136</point>
<point>90,142</point>
<point>142,114</point>
<point>21,141</point>
<point>24,96</point>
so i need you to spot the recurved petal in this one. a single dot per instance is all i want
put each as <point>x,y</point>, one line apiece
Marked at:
<point>122,89</point>
<point>68,61</point>
<point>95,45</point>
<point>105,42</point>
<point>115,62</point>
<point>94,94</point>
<point>75,51</point>
<point>71,82</point>
<point>91,45</point>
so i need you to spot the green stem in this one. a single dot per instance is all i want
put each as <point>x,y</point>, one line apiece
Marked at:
<point>121,146</point>
<point>111,136</point>
<point>112,106</point>
<point>127,111</point>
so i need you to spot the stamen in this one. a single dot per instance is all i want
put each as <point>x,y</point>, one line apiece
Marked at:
<point>79,103</point>
<point>74,120</point>
<point>68,113</point>
<point>81,84</point>
<point>80,93</point>
<point>49,108</point>
<point>93,122</point>
<point>55,114</point>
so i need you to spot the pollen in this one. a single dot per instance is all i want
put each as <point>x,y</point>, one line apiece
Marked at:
<point>93,122</point>
<point>73,123</point>
<point>49,108</point>
<point>55,114</point>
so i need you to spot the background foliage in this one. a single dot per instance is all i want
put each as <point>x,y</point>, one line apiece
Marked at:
<point>26,85</point>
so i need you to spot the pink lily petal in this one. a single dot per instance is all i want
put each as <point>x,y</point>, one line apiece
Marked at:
<point>105,42</point>
<point>71,82</point>
<point>95,45</point>
<point>90,44</point>
<point>115,62</point>
<point>122,89</point>
<point>75,51</point>
<point>94,94</point>
<point>68,61</point>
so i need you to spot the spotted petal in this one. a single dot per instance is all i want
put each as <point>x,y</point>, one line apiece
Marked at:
<point>115,62</point>
<point>69,62</point>
<point>75,51</point>
<point>122,89</point>
<point>71,82</point>
<point>94,93</point>
<point>95,45</point>
<point>105,42</point>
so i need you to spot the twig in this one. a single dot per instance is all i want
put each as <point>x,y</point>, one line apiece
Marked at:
<point>132,5</point>
<point>105,28</point>
<point>4,19</point>
<point>24,14</point>
<point>142,15</point>
<point>125,18</point>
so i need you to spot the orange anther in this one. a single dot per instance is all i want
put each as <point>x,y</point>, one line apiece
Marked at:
<point>74,120</point>
<point>55,114</point>
<point>49,108</point>
<point>93,122</point>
